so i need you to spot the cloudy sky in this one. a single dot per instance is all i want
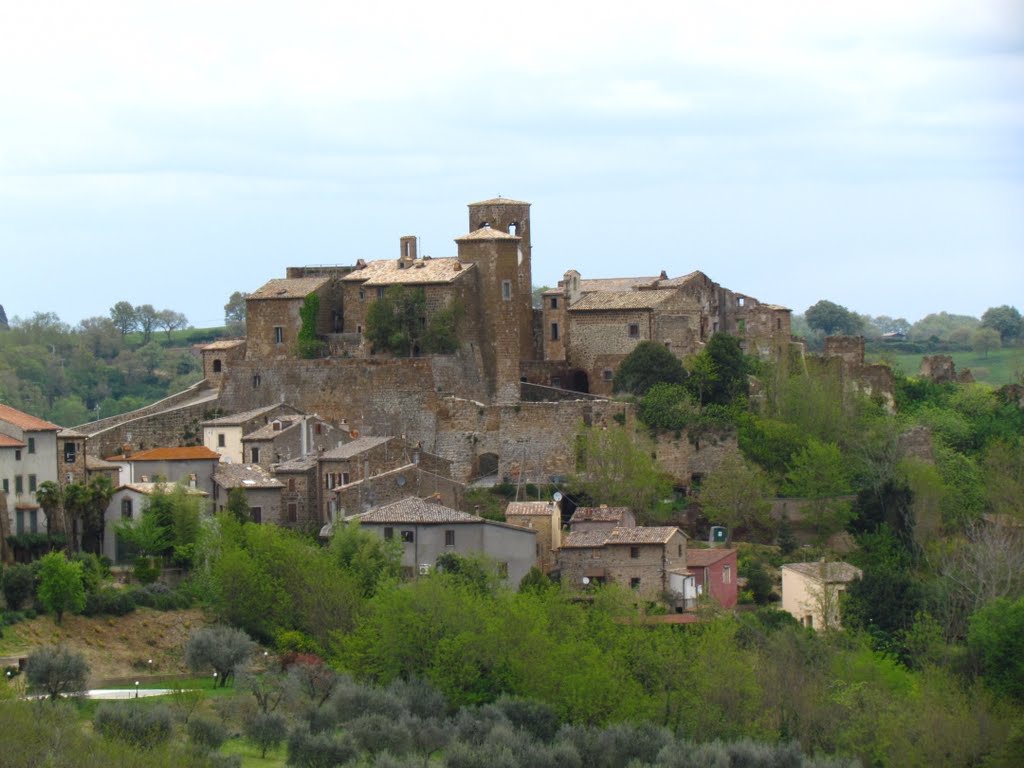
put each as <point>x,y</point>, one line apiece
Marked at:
<point>870,153</point>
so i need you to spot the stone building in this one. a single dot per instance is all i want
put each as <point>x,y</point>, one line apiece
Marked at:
<point>299,497</point>
<point>602,518</point>
<point>591,325</point>
<point>191,465</point>
<point>128,503</point>
<point>428,530</point>
<point>224,434</point>
<point>544,517</point>
<point>262,492</point>
<point>649,560</point>
<point>394,485</point>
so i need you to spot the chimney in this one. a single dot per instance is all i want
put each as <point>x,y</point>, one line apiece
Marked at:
<point>407,246</point>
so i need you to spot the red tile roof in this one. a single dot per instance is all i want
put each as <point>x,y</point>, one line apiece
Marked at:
<point>701,558</point>
<point>10,442</point>
<point>25,421</point>
<point>189,453</point>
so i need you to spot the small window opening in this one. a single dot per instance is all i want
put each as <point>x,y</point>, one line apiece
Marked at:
<point>216,366</point>
<point>634,330</point>
<point>506,290</point>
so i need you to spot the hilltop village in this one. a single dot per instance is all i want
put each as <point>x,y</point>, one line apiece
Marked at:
<point>319,425</point>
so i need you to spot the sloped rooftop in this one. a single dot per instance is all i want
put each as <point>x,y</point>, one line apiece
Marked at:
<point>357,446</point>
<point>629,535</point>
<point>25,421</point>
<point>531,508</point>
<point>288,288</point>
<point>244,476</point>
<point>412,510</point>
<point>384,272</point>
<point>701,558</point>
<point>188,453</point>
<point>834,573</point>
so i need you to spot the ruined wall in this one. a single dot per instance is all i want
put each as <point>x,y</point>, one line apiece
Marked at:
<point>682,459</point>
<point>185,396</point>
<point>532,440</point>
<point>601,339</point>
<point>848,349</point>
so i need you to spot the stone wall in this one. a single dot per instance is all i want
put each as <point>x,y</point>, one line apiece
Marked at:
<point>533,441</point>
<point>170,428</point>
<point>185,396</point>
<point>615,564</point>
<point>300,489</point>
<point>400,483</point>
<point>683,459</point>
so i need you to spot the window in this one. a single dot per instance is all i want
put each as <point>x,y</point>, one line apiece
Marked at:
<point>554,331</point>
<point>31,483</point>
<point>380,292</point>
<point>634,330</point>
<point>256,513</point>
<point>7,485</point>
<point>556,381</point>
<point>278,334</point>
<point>293,512</point>
<point>506,290</point>
<point>318,428</point>
<point>634,553</point>
<point>449,538</point>
<point>17,454</point>
<point>256,381</point>
<point>19,484</point>
<point>291,485</point>
<point>727,574</point>
<point>362,294</point>
<point>221,440</point>
<point>408,537</point>
<point>680,553</point>
<point>389,533</point>
<point>554,302</point>
<point>70,453</point>
<point>634,583</point>
<point>607,374</point>
<point>31,445</point>
<point>216,366</point>
<point>255,455</point>
<point>344,478</point>
<point>809,621</point>
<point>126,509</point>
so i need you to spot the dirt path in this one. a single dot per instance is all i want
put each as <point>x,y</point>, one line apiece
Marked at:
<point>115,647</point>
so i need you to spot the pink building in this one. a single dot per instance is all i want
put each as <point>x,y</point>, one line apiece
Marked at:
<point>714,572</point>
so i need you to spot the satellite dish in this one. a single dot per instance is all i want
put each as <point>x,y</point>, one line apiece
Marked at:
<point>557,497</point>
<point>586,579</point>
<point>400,480</point>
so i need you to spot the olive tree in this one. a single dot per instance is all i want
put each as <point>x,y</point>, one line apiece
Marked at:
<point>56,670</point>
<point>220,648</point>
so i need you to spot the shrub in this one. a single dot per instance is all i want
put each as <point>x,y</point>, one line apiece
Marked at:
<point>378,733</point>
<point>319,750</point>
<point>534,717</point>
<point>222,649</point>
<point>146,569</point>
<point>109,601</point>
<point>205,733</point>
<point>141,726</point>
<point>94,570</point>
<point>56,670</point>
<point>418,697</point>
<point>19,585</point>
<point>266,730</point>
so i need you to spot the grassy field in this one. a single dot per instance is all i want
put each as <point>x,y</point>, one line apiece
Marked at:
<point>998,368</point>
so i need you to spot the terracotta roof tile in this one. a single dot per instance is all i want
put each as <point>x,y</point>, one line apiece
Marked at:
<point>602,514</point>
<point>288,288</point>
<point>701,558</point>
<point>238,419</point>
<point>498,201</point>
<point>631,535</point>
<point>834,572</point>
<point>598,284</point>
<point>531,508</point>
<point>384,272</point>
<point>6,441</point>
<point>25,421</point>
<point>487,233</point>
<point>605,301</point>
<point>357,446</point>
<point>150,488</point>
<point>413,510</point>
<point>244,476</point>
<point>220,344</point>
<point>188,453</point>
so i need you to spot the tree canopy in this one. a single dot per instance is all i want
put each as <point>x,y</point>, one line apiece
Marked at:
<point>648,364</point>
<point>833,319</point>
